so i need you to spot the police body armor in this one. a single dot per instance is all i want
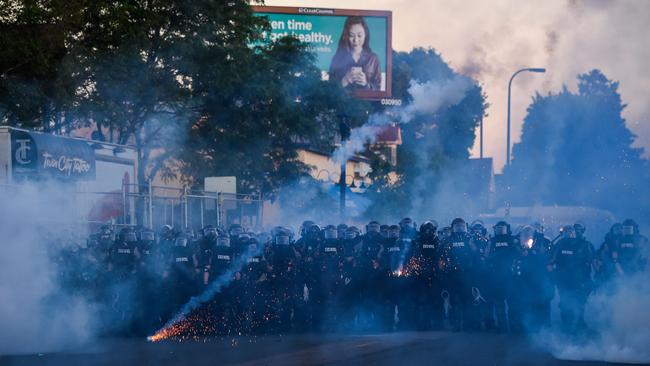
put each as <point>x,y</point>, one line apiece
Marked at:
<point>459,255</point>
<point>222,257</point>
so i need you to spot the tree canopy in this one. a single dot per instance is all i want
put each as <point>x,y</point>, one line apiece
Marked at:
<point>576,149</point>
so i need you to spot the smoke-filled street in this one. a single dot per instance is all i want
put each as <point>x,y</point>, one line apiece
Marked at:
<point>322,182</point>
<point>381,349</point>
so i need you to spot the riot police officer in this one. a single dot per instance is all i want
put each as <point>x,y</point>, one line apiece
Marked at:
<point>532,300</point>
<point>392,261</point>
<point>238,239</point>
<point>571,262</point>
<point>147,249</point>
<point>282,260</point>
<point>180,275</point>
<point>124,255</point>
<point>426,271</point>
<point>325,297</point>
<point>503,252</point>
<point>222,256</point>
<point>628,254</point>
<point>203,253</point>
<point>460,258</point>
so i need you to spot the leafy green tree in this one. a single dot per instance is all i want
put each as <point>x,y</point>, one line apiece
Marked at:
<point>575,149</point>
<point>253,128</point>
<point>35,88</point>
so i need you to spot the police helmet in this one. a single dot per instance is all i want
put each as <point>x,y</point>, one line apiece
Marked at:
<point>429,227</point>
<point>235,230</point>
<point>166,230</point>
<point>147,235</point>
<point>191,235</point>
<point>127,235</point>
<point>209,232</point>
<point>458,225</point>
<point>373,226</point>
<point>181,240</point>
<point>352,232</point>
<point>502,228</point>
<point>341,228</point>
<point>330,232</point>
<point>478,227</point>
<point>314,231</point>
<point>580,228</point>
<point>568,231</point>
<point>223,239</point>
<point>305,227</point>
<point>616,229</point>
<point>630,227</point>
<point>383,229</point>
<point>282,235</point>
<point>407,222</point>
<point>393,231</point>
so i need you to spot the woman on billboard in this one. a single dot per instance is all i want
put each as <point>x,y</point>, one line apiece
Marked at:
<point>354,65</point>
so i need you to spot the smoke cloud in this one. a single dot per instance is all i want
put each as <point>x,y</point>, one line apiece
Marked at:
<point>426,98</point>
<point>36,315</point>
<point>618,321</point>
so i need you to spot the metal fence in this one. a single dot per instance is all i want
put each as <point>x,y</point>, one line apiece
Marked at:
<point>185,208</point>
<point>155,206</point>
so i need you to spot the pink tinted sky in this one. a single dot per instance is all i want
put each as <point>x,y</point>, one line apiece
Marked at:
<point>489,40</point>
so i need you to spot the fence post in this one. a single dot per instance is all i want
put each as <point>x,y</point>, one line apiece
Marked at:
<point>201,208</point>
<point>123,202</point>
<point>150,205</point>
<point>218,207</point>
<point>185,206</point>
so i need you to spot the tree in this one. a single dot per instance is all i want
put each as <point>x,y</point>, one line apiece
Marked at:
<point>575,149</point>
<point>253,126</point>
<point>35,88</point>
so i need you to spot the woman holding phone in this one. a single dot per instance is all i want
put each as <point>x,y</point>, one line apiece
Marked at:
<point>354,65</point>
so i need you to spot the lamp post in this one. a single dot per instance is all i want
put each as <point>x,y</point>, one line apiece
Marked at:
<point>531,69</point>
<point>344,130</point>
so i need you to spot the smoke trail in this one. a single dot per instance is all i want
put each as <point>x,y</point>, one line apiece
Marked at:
<point>426,98</point>
<point>208,294</point>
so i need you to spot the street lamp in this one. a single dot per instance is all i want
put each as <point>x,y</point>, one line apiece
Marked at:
<point>531,69</point>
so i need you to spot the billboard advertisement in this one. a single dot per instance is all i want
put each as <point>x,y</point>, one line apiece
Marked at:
<point>352,47</point>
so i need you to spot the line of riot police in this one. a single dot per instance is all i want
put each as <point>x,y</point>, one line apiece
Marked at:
<point>338,278</point>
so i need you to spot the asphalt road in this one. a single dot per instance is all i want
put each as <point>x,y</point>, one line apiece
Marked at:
<point>423,348</point>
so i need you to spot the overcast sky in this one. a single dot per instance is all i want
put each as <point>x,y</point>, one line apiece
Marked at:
<point>490,39</point>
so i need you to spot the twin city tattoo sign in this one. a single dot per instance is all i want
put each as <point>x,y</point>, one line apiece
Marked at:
<point>42,156</point>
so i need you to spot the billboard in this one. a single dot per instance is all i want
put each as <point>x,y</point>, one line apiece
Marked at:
<point>352,47</point>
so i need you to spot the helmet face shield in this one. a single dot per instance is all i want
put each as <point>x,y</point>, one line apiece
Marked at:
<point>500,230</point>
<point>628,230</point>
<point>282,239</point>
<point>373,228</point>
<point>147,236</point>
<point>210,232</point>
<point>331,233</point>
<point>459,227</point>
<point>223,241</point>
<point>393,232</point>
<point>130,237</point>
<point>180,242</point>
